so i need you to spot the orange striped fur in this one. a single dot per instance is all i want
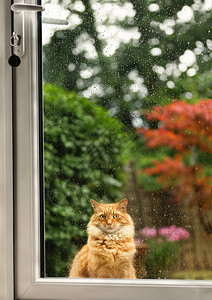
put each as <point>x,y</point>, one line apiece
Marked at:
<point>110,247</point>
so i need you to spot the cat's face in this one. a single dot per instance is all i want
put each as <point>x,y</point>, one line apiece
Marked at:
<point>110,218</point>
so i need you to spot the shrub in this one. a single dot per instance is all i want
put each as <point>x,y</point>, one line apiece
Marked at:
<point>82,160</point>
<point>164,247</point>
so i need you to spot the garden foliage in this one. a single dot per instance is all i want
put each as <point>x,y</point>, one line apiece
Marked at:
<point>82,160</point>
<point>164,249</point>
<point>185,129</point>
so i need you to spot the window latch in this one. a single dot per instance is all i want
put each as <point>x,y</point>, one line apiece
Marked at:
<point>19,10</point>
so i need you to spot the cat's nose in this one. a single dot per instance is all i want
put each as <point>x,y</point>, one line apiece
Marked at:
<point>109,223</point>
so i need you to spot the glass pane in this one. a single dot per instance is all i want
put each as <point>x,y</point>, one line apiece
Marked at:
<point>128,115</point>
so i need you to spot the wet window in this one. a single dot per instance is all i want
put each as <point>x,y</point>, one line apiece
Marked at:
<point>127,89</point>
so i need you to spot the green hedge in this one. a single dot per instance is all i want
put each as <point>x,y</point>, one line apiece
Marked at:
<point>82,160</point>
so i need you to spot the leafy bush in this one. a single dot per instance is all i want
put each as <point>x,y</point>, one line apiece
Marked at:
<point>161,258</point>
<point>82,160</point>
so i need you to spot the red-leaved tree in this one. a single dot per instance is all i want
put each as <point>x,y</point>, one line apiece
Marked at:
<point>187,129</point>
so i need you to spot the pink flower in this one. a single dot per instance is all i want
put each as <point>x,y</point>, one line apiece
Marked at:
<point>184,234</point>
<point>164,231</point>
<point>174,236</point>
<point>173,233</point>
<point>172,228</point>
<point>170,234</point>
<point>149,232</point>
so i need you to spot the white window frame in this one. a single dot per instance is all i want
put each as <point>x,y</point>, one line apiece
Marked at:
<point>6,159</point>
<point>28,284</point>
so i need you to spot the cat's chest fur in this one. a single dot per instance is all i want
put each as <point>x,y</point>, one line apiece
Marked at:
<point>113,246</point>
<point>112,243</point>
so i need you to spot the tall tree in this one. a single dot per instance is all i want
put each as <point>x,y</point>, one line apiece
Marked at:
<point>186,129</point>
<point>157,44</point>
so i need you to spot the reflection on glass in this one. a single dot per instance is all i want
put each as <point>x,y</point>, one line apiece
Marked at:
<point>127,114</point>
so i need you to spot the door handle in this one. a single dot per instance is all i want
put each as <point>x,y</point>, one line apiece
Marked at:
<point>19,9</point>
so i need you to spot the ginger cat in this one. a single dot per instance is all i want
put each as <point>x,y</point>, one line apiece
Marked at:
<point>110,248</point>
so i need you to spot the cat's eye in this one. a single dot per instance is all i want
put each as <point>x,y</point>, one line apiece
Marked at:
<point>102,216</point>
<point>115,216</point>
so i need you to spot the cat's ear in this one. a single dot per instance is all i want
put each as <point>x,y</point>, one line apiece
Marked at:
<point>95,205</point>
<point>122,205</point>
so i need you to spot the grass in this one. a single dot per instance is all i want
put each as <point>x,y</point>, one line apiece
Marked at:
<point>193,274</point>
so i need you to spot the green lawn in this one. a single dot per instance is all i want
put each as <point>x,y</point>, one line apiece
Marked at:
<point>193,274</point>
